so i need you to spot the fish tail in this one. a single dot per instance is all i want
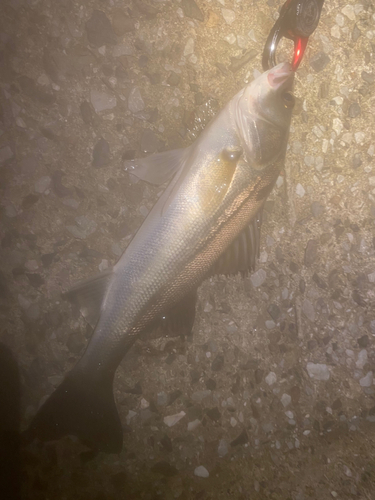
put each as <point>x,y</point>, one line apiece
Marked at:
<point>83,407</point>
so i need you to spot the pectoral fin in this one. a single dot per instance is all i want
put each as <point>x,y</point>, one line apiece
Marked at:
<point>241,255</point>
<point>159,167</point>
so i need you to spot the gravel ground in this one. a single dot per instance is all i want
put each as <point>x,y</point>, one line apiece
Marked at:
<point>273,397</point>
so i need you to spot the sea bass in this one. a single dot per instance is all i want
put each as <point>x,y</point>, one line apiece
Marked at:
<point>204,223</point>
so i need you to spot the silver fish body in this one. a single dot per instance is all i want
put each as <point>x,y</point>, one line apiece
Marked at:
<point>219,184</point>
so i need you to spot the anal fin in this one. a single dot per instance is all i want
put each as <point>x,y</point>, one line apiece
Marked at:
<point>241,255</point>
<point>89,294</point>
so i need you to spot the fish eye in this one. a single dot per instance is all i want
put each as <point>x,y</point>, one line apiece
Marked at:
<point>288,99</point>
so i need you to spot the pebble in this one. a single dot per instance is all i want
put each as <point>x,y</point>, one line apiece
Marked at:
<point>362,359</point>
<point>271,378</point>
<point>359,137</point>
<point>201,471</point>
<point>337,125</point>
<point>300,191</point>
<point>162,399</point>
<point>11,211</point>
<point>347,471</point>
<point>335,31</point>
<point>122,23</point>
<point>99,29</point>
<point>5,154</point>
<point>356,33</point>
<point>258,278</point>
<point>122,49</point>
<point>102,101</point>
<point>135,101</point>
<point>24,302</point>
<point>354,110</point>
<point>189,47</point>
<point>228,15</point>
<point>308,310</point>
<point>101,154</point>
<point>348,11</point>
<point>286,400</point>
<point>191,9</point>
<point>319,61</point>
<point>172,420</point>
<point>198,396</point>
<point>42,184</point>
<point>318,371</point>
<point>368,77</point>
<point>367,380</point>
<point>84,228</point>
<point>317,209</point>
<point>223,448</point>
<point>31,265</point>
<point>233,422</point>
<point>193,425</point>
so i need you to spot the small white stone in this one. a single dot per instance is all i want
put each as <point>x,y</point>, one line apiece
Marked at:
<point>367,380</point>
<point>43,80</point>
<point>280,181</point>
<point>172,420</point>
<point>337,125</point>
<point>233,422</point>
<point>189,47</point>
<point>334,494</point>
<point>347,471</point>
<point>257,279</point>
<point>201,471</point>
<point>231,39</point>
<point>242,42</point>
<point>289,414</point>
<point>371,277</point>
<point>335,31</point>
<point>31,265</point>
<point>372,181</point>
<point>300,191</point>
<point>228,15</point>
<point>144,404</point>
<point>285,400</point>
<point>362,359</point>
<point>359,137</point>
<point>318,371</point>
<point>340,20</point>
<point>271,378</point>
<point>193,425</point>
<point>348,11</point>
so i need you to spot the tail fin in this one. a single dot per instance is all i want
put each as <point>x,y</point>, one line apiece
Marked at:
<point>84,408</point>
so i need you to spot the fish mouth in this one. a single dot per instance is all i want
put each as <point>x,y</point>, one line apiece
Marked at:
<point>280,74</point>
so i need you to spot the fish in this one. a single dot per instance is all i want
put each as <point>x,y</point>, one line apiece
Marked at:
<point>206,222</point>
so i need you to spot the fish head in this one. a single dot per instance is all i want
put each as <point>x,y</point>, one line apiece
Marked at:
<point>264,112</point>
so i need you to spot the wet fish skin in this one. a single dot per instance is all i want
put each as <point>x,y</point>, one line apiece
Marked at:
<point>220,182</point>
